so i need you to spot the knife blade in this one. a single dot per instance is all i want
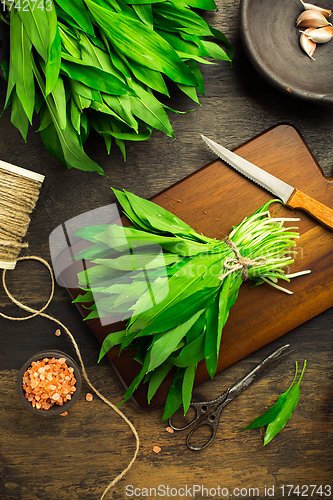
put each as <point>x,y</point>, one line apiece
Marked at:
<point>291,196</point>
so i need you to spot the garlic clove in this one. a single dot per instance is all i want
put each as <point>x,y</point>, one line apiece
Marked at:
<point>307,45</point>
<point>310,6</point>
<point>319,35</point>
<point>311,19</point>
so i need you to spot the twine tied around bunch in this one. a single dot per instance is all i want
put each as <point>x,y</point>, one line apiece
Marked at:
<point>240,262</point>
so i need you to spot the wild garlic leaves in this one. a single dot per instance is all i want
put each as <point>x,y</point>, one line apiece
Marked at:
<point>84,65</point>
<point>162,258</point>
<point>279,414</point>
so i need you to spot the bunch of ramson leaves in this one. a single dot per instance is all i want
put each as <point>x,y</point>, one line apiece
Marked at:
<point>173,303</point>
<point>85,64</point>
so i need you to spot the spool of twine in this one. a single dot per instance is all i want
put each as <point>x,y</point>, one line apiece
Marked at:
<point>19,192</point>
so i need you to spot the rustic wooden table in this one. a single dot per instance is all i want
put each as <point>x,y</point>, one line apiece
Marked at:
<point>75,457</point>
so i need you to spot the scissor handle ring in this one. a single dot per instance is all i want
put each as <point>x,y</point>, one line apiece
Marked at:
<point>197,416</point>
<point>198,448</point>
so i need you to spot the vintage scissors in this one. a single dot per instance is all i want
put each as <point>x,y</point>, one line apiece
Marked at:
<point>212,419</point>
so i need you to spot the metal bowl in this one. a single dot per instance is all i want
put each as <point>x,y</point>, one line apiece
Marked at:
<point>271,40</point>
<point>55,410</point>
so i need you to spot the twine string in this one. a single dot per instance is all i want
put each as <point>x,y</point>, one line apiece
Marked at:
<point>240,262</point>
<point>18,197</point>
<point>78,353</point>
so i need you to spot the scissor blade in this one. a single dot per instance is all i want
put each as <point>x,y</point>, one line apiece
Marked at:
<point>243,384</point>
<point>267,181</point>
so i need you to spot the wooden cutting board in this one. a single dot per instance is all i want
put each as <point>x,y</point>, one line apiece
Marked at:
<point>214,199</point>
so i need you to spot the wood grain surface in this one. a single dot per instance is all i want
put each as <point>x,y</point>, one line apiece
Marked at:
<point>75,457</point>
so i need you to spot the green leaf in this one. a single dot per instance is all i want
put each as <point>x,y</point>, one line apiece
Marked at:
<point>159,289</point>
<point>142,2</point>
<point>131,292</point>
<point>95,56</point>
<point>151,78</point>
<point>187,386</point>
<point>75,115</point>
<point>103,108</point>
<point>286,411</point>
<point>54,52</point>
<point>18,116</point>
<point>77,11</point>
<point>20,65</point>
<point>110,341</point>
<point>193,65</point>
<point>230,50</point>
<point>69,42</point>
<point>59,98</point>
<point>70,151</point>
<point>157,378</point>
<point>202,4</point>
<point>148,109</point>
<point>121,238</point>
<point>145,14</point>
<point>5,69</point>
<point>192,352</point>
<point>118,59</point>
<point>180,18</point>
<point>36,24</point>
<point>129,136</point>
<point>80,89</point>
<point>93,77</point>
<point>223,309</point>
<point>193,57</point>
<point>45,118</point>
<point>212,334</point>
<point>135,261</point>
<point>90,232</point>
<point>10,87</point>
<point>179,310</point>
<point>122,106</point>
<point>146,48</point>
<point>193,46</point>
<point>153,215</point>
<point>191,92</point>
<point>165,343</point>
<point>50,138</point>
<point>87,297</point>
<point>182,285</point>
<point>135,383</point>
<point>215,51</point>
<point>279,414</point>
<point>174,397</point>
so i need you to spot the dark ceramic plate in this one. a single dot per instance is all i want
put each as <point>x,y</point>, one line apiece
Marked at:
<point>271,40</point>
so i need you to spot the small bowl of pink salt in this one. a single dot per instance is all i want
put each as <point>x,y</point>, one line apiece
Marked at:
<point>49,383</point>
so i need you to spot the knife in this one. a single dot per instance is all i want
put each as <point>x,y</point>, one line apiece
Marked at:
<point>292,197</point>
